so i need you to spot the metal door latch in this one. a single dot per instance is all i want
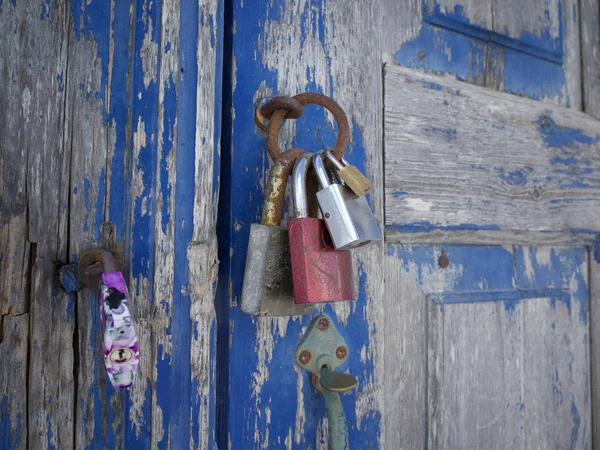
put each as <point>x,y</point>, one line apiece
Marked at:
<point>321,351</point>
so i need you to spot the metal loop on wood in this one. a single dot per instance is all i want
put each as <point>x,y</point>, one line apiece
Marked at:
<point>307,99</point>
<point>264,111</point>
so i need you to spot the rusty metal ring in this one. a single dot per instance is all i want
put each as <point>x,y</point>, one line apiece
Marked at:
<point>265,110</point>
<point>307,99</point>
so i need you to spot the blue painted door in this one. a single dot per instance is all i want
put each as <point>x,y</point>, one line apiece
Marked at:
<point>488,351</point>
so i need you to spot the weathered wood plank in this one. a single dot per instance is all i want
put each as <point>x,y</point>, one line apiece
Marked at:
<point>51,380</point>
<point>490,237</point>
<point>405,356</point>
<point>90,108</point>
<point>590,55</point>
<point>282,49</point>
<point>507,346</point>
<point>164,210</point>
<point>202,253</point>
<point>501,162</point>
<point>595,342</point>
<point>14,339</point>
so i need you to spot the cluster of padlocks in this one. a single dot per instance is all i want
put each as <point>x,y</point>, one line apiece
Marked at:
<point>288,270</point>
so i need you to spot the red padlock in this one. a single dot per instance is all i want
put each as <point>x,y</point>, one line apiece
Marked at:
<point>319,272</point>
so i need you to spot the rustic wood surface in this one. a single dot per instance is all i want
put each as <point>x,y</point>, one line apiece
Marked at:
<point>590,56</point>
<point>595,342</point>
<point>89,137</point>
<point>506,363</point>
<point>494,161</point>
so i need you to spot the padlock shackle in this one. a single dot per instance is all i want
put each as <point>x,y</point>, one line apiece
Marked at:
<point>330,156</point>
<point>299,196</point>
<point>320,171</point>
<point>275,193</point>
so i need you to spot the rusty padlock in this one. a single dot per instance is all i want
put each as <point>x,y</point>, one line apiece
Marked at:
<point>320,273</point>
<point>267,288</point>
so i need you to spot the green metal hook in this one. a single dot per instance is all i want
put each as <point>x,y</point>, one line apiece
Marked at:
<point>320,351</point>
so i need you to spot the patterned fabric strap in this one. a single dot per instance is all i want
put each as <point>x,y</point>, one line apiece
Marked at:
<point>121,350</point>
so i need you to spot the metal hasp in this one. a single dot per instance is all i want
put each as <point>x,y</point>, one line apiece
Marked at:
<point>321,351</point>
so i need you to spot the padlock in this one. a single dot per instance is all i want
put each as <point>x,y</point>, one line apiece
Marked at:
<point>267,288</point>
<point>350,175</point>
<point>320,272</point>
<point>348,216</point>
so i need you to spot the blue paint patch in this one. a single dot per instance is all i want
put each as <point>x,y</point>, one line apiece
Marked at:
<point>49,435</point>
<point>449,134</point>
<point>9,440</point>
<point>444,51</point>
<point>169,118</point>
<point>59,82</point>
<point>425,227</point>
<point>162,390</point>
<point>542,47</point>
<point>556,136</point>
<point>398,194</point>
<point>576,420</point>
<point>518,177</point>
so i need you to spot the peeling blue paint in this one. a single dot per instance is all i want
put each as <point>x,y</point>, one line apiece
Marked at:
<point>556,136</point>
<point>169,118</point>
<point>518,177</point>
<point>59,82</point>
<point>425,227</point>
<point>162,390</point>
<point>449,43</point>
<point>9,440</point>
<point>448,134</point>
<point>92,21</point>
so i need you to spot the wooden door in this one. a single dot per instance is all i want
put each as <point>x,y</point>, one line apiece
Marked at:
<point>109,132</point>
<point>473,323</point>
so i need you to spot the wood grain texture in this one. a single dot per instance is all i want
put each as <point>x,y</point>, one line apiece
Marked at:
<point>51,376</point>
<point>501,162</point>
<point>590,56</point>
<point>501,356</point>
<point>490,237</point>
<point>405,357</point>
<point>14,339</point>
<point>282,49</point>
<point>595,343</point>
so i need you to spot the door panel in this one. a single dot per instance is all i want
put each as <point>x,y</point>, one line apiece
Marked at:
<point>461,156</point>
<point>502,339</point>
<point>530,48</point>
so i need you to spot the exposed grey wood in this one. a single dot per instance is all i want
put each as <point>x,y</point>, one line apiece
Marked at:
<point>51,386</point>
<point>405,358</point>
<point>500,161</point>
<point>14,339</point>
<point>510,378</point>
<point>590,55</point>
<point>477,12</point>
<point>490,237</point>
<point>87,141</point>
<point>595,344</point>
<point>14,265</point>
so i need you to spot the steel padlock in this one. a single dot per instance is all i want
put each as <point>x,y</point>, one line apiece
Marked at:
<point>319,271</point>
<point>267,288</point>
<point>348,216</point>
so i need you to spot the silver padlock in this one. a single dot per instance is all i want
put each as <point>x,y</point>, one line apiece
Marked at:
<point>348,216</point>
